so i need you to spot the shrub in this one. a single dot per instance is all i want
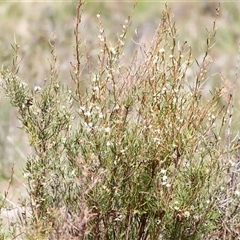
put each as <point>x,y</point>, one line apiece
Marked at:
<point>127,152</point>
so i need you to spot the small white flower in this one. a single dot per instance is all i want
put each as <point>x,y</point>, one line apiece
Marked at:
<point>101,38</point>
<point>88,113</point>
<point>155,139</point>
<point>164,90</point>
<point>186,214</point>
<point>157,131</point>
<point>163,171</point>
<point>23,84</point>
<point>171,56</point>
<point>95,89</point>
<point>82,108</point>
<point>112,50</point>
<point>123,150</point>
<point>161,50</point>
<point>98,15</point>
<point>37,89</point>
<point>73,173</point>
<point>237,193</point>
<point>26,175</point>
<point>107,130</point>
<point>164,178</point>
<point>116,107</point>
<point>94,78</point>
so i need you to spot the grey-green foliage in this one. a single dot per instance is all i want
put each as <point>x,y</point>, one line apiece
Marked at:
<point>45,116</point>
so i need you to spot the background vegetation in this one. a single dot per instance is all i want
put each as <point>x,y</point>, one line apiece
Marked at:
<point>163,136</point>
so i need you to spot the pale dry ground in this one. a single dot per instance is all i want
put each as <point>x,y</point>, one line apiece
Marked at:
<point>11,212</point>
